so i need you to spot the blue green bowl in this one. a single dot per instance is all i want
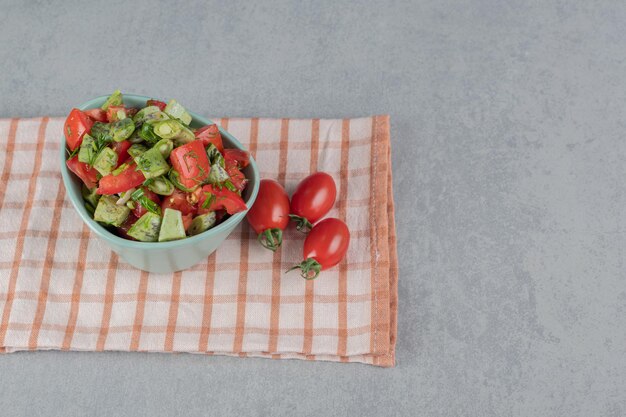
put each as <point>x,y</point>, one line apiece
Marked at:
<point>162,257</point>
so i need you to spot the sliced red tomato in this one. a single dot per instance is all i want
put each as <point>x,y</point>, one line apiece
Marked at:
<point>128,178</point>
<point>121,148</point>
<point>122,231</point>
<point>191,163</point>
<point>97,115</point>
<point>236,177</point>
<point>157,103</point>
<point>131,111</point>
<point>187,219</point>
<point>140,210</point>
<point>88,175</point>
<point>221,199</point>
<point>178,201</point>
<point>210,134</point>
<point>76,125</point>
<point>241,158</point>
<point>112,113</point>
<point>219,215</point>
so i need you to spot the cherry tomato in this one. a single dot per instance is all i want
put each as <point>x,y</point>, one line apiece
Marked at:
<point>178,201</point>
<point>324,247</point>
<point>269,215</point>
<point>313,198</point>
<point>140,210</point>
<point>241,158</point>
<point>76,125</point>
<point>83,171</point>
<point>118,182</point>
<point>157,103</point>
<point>191,163</point>
<point>221,199</point>
<point>210,134</point>
<point>121,148</point>
<point>97,115</point>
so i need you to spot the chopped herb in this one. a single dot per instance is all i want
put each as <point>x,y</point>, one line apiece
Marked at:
<point>210,198</point>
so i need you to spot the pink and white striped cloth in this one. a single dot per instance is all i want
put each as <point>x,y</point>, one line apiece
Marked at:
<point>62,288</point>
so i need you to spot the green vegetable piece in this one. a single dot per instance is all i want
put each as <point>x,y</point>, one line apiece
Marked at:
<point>152,163</point>
<point>106,161</point>
<point>167,129</point>
<point>229,184</point>
<point>214,155</point>
<point>114,99</point>
<point>174,177</point>
<point>160,185</point>
<point>145,114</point>
<point>91,197</point>
<point>146,229</point>
<point>88,150</point>
<point>117,171</point>
<point>201,223</point>
<point>136,149</point>
<point>185,136</point>
<point>147,133</point>
<point>217,175</point>
<point>164,146</point>
<point>171,226</point>
<point>135,138</point>
<point>110,213</point>
<point>101,130</point>
<point>177,111</point>
<point>173,129</point>
<point>122,129</point>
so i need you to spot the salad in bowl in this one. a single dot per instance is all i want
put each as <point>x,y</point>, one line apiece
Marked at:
<point>147,175</point>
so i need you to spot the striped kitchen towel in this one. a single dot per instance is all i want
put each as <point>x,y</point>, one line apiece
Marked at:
<point>62,288</point>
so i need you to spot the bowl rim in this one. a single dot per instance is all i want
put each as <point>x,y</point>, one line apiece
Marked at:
<point>102,232</point>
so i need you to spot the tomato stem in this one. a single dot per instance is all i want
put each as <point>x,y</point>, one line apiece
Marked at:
<point>309,268</point>
<point>302,224</point>
<point>271,239</point>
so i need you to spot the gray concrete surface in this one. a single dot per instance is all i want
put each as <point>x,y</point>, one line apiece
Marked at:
<point>509,125</point>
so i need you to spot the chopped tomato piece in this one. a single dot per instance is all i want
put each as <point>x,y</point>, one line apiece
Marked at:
<point>113,113</point>
<point>221,199</point>
<point>97,115</point>
<point>123,229</point>
<point>161,105</point>
<point>191,163</point>
<point>241,158</point>
<point>140,210</point>
<point>83,171</point>
<point>236,177</point>
<point>178,201</point>
<point>121,148</point>
<point>187,219</point>
<point>76,125</point>
<point>128,178</point>
<point>210,134</point>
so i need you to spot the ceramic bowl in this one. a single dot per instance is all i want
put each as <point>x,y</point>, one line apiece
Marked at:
<point>161,257</point>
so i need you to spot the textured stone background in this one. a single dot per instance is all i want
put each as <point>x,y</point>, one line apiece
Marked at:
<point>508,123</point>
